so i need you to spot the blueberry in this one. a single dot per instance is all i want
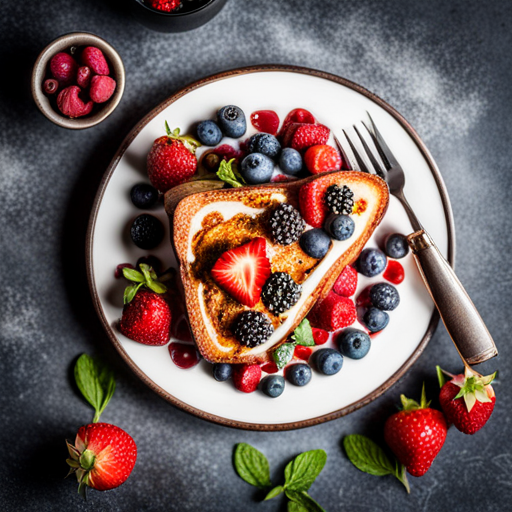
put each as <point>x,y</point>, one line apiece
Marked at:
<point>340,227</point>
<point>208,133</point>
<point>315,243</point>
<point>396,246</point>
<point>257,168</point>
<point>143,195</point>
<point>222,371</point>
<point>375,319</point>
<point>264,143</point>
<point>299,374</point>
<point>328,361</point>
<point>147,231</point>
<point>290,161</point>
<point>231,121</point>
<point>273,385</point>
<point>353,343</point>
<point>384,296</point>
<point>371,262</point>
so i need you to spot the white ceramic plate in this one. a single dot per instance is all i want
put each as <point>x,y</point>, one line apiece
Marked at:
<point>336,103</point>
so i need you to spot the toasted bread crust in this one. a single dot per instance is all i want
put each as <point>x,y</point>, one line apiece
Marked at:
<point>219,301</point>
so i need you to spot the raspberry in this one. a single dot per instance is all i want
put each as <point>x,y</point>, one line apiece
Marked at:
<point>93,58</point>
<point>71,105</point>
<point>164,5</point>
<point>50,86</point>
<point>302,352</point>
<point>102,88</point>
<point>83,77</point>
<point>346,283</point>
<point>246,377</point>
<point>309,135</point>
<point>334,312</point>
<point>63,67</point>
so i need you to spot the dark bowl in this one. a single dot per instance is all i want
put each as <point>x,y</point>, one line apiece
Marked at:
<point>187,18</point>
<point>40,70</point>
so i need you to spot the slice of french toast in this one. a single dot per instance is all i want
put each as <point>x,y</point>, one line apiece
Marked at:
<point>208,227</point>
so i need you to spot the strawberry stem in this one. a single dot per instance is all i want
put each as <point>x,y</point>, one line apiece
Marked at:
<point>401,474</point>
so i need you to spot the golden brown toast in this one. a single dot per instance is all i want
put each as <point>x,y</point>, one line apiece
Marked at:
<point>209,223</point>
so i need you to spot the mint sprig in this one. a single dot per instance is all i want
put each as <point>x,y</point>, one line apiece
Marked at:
<point>96,383</point>
<point>252,466</point>
<point>146,277</point>
<point>370,458</point>
<point>303,334</point>
<point>283,354</point>
<point>229,173</point>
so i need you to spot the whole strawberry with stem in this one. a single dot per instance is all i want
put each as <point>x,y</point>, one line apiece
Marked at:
<point>467,399</point>
<point>103,455</point>
<point>146,314</point>
<point>172,160</point>
<point>416,434</point>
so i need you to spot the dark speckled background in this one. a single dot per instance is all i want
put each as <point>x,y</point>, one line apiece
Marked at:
<point>445,65</point>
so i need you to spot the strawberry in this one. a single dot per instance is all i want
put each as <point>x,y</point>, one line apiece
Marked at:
<point>416,434</point>
<point>320,336</point>
<point>172,160</point>
<point>322,158</point>
<point>246,377</point>
<point>312,204</point>
<point>103,456</point>
<point>346,283</point>
<point>146,314</point>
<point>297,115</point>
<point>242,271</point>
<point>467,399</point>
<point>334,312</point>
<point>309,135</point>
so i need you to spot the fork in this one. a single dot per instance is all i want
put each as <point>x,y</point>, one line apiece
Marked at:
<point>462,320</point>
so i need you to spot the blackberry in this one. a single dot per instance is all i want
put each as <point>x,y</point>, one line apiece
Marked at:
<point>286,224</point>
<point>147,231</point>
<point>280,293</point>
<point>253,328</point>
<point>339,200</point>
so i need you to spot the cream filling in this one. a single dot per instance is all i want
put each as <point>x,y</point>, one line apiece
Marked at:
<point>229,209</point>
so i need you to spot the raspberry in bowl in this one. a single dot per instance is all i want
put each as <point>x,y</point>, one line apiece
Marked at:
<point>78,80</point>
<point>175,15</point>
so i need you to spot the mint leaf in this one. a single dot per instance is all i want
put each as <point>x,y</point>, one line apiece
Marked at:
<point>304,469</point>
<point>283,354</point>
<point>96,383</point>
<point>303,334</point>
<point>304,500</point>
<point>293,506</point>
<point>252,466</point>
<point>276,491</point>
<point>367,456</point>
<point>228,172</point>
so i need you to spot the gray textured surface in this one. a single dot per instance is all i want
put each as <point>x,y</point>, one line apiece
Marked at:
<point>444,65</point>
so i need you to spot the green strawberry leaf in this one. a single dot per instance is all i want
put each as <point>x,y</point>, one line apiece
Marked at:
<point>283,354</point>
<point>156,287</point>
<point>130,292</point>
<point>228,172</point>
<point>303,334</point>
<point>441,376</point>
<point>304,500</point>
<point>96,383</point>
<point>276,491</point>
<point>133,275</point>
<point>252,466</point>
<point>370,458</point>
<point>367,456</point>
<point>303,470</point>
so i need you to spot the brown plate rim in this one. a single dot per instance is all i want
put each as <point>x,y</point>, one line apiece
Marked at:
<point>110,170</point>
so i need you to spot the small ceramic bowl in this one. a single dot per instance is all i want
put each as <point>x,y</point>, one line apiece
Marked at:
<point>40,72</point>
<point>192,14</point>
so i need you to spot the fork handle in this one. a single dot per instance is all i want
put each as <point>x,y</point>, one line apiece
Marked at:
<point>461,319</point>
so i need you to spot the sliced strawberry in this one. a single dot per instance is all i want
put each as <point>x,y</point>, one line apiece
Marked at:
<point>322,158</point>
<point>394,272</point>
<point>266,121</point>
<point>311,201</point>
<point>297,115</point>
<point>309,135</point>
<point>242,271</point>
